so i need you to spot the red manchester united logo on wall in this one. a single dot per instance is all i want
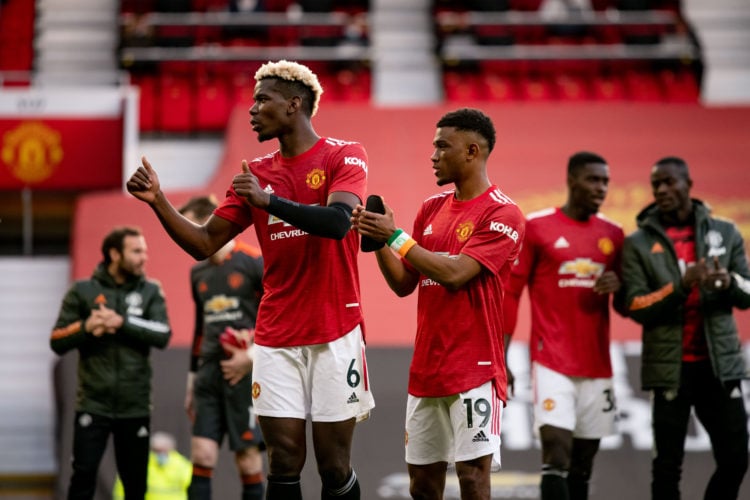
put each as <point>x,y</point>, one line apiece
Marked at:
<point>32,151</point>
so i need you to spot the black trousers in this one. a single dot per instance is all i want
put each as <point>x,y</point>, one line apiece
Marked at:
<point>131,441</point>
<point>721,410</point>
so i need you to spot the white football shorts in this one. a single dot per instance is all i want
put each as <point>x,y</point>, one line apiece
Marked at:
<point>585,406</point>
<point>454,428</point>
<point>327,382</point>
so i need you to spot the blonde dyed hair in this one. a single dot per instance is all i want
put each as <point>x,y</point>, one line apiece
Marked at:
<point>293,72</point>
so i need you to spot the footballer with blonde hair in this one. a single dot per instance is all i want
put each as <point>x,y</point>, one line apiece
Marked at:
<point>309,346</point>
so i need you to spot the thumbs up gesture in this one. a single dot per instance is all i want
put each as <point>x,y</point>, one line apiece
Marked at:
<point>247,186</point>
<point>144,183</point>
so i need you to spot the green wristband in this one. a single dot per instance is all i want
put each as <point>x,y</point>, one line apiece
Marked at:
<point>394,236</point>
<point>397,243</point>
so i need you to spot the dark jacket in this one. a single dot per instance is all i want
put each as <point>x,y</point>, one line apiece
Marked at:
<point>114,372</point>
<point>655,296</point>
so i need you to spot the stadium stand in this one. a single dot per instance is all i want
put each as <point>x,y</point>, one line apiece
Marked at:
<point>194,60</point>
<point>201,54</point>
<point>635,50</point>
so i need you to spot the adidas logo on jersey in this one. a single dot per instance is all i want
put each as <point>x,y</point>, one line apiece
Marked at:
<point>427,230</point>
<point>352,399</point>
<point>268,189</point>
<point>480,437</point>
<point>561,243</point>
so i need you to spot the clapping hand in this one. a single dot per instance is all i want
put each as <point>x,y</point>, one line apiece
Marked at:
<point>716,277</point>
<point>103,320</point>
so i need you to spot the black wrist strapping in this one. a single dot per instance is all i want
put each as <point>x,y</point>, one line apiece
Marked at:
<point>332,221</point>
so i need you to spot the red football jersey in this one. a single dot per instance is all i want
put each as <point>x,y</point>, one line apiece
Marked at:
<point>694,345</point>
<point>311,284</point>
<point>459,342</point>
<point>560,261</point>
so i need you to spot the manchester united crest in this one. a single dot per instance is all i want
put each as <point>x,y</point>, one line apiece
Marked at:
<point>32,151</point>
<point>464,230</point>
<point>235,280</point>
<point>315,178</point>
<point>606,246</point>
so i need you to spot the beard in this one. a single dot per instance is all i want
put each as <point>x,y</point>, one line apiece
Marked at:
<point>130,270</point>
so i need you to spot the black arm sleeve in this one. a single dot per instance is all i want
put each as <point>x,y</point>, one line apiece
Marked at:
<point>332,221</point>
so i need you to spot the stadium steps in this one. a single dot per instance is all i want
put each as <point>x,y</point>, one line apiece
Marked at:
<point>723,27</point>
<point>76,42</point>
<point>30,297</point>
<point>402,41</point>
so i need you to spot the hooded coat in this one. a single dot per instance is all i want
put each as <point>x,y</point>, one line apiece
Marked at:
<point>654,296</point>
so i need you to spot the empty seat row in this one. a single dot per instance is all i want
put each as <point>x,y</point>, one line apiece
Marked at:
<point>181,102</point>
<point>634,86</point>
<point>534,5</point>
<point>143,6</point>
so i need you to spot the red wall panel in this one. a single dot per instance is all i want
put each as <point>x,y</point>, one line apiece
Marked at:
<point>534,142</point>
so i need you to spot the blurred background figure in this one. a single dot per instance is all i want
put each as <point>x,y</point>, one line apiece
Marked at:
<point>226,290</point>
<point>113,319</point>
<point>169,472</point>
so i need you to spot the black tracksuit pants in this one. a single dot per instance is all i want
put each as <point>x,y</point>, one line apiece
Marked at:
<point>131,441</point>
<point>720,409</point>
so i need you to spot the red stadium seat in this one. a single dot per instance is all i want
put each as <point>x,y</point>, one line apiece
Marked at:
<point>679,86</point>
<point>571,88</point>
<point>353,86</point>
<point>213,105</point>
<point>527,5</point>
<point>498,88</point>
<point>460,86</point>
<point>242,87</point>
<point>147,105</point>
<point>16,35</point>
<point>175,106</point>
<point>277,5</point>
<point>608,88</point>
<point>643,86</point>
<point>536,88</point>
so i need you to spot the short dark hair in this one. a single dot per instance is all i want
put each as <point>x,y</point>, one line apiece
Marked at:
<point>681,165</point>
<point>582,158</point>
<point>115,239</point>
<point>471,120</point>
<point>201,206</point>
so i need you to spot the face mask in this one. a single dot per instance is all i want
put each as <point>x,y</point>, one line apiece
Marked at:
<point>161,458</point>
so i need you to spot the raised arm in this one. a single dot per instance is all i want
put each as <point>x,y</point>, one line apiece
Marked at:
<point>199,241</point>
